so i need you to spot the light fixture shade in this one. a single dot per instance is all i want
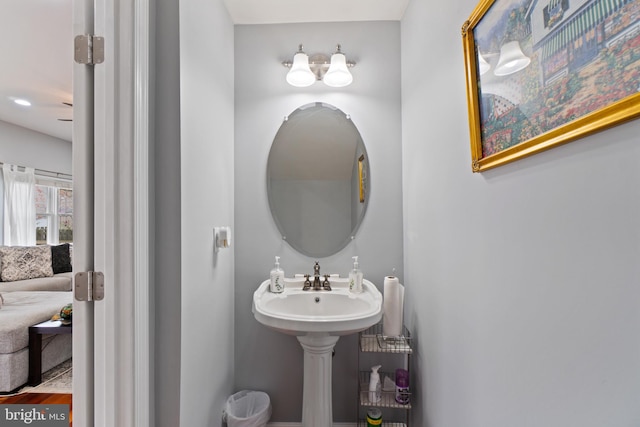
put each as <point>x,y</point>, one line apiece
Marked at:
<point>483,65</point>
<point>300,75</point>
<point>511,59</point>
<point>338,74</point>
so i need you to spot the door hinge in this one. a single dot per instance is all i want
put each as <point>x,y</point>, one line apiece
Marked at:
<point>88,49</point>
<point>89,286</point>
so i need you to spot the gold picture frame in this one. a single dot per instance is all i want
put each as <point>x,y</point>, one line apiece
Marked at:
<point>582,74</point>
<point>361,178</point>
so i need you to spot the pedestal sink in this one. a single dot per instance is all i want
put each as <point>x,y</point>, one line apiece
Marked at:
<point>317,319</point>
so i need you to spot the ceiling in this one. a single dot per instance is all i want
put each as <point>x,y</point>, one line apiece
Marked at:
<point>37,54</point>
<point>291,11</point>
<point>37,51</point>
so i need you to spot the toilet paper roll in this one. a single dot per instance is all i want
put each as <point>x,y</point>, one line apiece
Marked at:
<point>392,307</point>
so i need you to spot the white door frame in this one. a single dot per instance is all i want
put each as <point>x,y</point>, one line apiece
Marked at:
<point>112,340</point>
<point>143,362</point>
<point>82,164</point>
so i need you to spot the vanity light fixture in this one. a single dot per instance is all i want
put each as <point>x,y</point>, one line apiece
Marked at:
<point>305,70</point>
<point>338,74</point>
<point>300,74</point>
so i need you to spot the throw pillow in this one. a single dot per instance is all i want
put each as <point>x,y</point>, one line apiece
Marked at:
<point>25,262</point>
<point>61,259</point>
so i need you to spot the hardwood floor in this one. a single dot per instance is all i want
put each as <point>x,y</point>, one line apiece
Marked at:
<point>40,399</point>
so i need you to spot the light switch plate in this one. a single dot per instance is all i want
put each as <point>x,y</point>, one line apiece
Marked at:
<point>221,238</point>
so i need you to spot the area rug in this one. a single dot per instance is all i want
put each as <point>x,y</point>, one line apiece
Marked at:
<point>56,380</point>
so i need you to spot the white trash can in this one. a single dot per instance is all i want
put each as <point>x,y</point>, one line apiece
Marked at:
<point>248,408</point>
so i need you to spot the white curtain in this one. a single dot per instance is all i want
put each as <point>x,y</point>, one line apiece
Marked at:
<point>19,206</point>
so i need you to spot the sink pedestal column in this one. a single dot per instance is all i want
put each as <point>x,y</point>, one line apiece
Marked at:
<point>317,410</point>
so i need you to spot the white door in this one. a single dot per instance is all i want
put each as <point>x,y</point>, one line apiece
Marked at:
<point>111,378</point>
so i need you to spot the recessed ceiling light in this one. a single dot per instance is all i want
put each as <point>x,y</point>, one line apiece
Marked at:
<point>23,102</point>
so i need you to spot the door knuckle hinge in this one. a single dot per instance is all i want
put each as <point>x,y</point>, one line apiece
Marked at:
<point>89,286</point>
<point>88,49</point>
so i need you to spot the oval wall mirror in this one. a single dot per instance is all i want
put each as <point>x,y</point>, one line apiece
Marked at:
<point>318,179</point>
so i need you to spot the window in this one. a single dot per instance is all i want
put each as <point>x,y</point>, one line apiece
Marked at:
<point>54,215</point>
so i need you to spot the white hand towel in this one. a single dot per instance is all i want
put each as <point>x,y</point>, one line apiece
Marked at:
<point>392,307</point>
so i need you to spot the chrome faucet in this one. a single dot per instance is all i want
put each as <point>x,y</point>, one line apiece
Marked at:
<point>317,285</point>
<point>325,285</point>
<point>316,277</point>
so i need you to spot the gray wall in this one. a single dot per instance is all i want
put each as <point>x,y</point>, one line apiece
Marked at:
<point>522,281</point>
<point>24,147</point>
<point>207,200</point>
<point>267,360</point>
<point>328,201</point>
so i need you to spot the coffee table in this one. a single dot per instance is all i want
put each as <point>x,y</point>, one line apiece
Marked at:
<point>50,327</point>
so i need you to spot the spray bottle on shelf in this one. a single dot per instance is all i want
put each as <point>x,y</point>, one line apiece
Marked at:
<point>375,388</point>
<point>355,277</point>
<point>277,278</point>
<point>402,386</point>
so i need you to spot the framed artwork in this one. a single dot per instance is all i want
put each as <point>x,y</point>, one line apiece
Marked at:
<point>362,178</point>
<point>540,73</point>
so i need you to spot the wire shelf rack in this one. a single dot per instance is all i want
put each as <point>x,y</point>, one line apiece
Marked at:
<point>373,341</point>
<point>388,399</point>
<point>363,423</point>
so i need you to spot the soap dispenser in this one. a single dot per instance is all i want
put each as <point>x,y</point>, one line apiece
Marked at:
<point>277,278</point>
<point>375,388</point>
<point>355,277</point>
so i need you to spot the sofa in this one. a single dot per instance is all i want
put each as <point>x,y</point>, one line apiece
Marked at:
<point>35,283</point>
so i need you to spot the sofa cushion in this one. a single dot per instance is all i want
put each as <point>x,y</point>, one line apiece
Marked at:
<point>57,282</point>
<point>61,258</point>
<point>25,262</point>
<point>24,309</point>
<point>14,367</point>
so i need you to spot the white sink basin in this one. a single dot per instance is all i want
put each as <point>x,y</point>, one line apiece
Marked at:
<point>336,312</point>
<point>317,319</point>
